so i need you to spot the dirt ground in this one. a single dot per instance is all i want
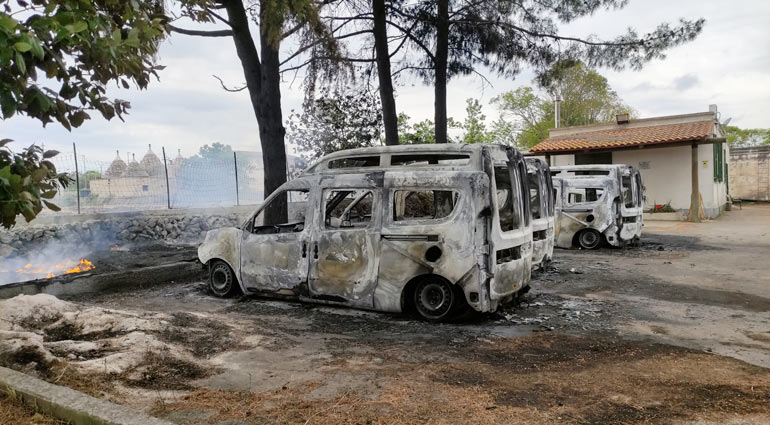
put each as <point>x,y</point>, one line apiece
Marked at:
<point>677,331</point>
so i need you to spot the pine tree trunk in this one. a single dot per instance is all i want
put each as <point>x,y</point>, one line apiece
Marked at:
<point>272,132</point>
<point>389,117</point>
<point>442,52</point>
<point>263,83</point>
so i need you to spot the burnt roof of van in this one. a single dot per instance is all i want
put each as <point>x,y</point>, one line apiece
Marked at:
<point>433,148</point>
<point>590,167</point>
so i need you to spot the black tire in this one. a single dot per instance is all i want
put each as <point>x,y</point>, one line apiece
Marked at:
<point>436,300</point>
<point>222,279</point>
<point>589,239</point>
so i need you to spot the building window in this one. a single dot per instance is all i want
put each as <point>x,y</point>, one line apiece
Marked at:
<point>719,163</point>
<point>593,158</point>
<point>145,188</point>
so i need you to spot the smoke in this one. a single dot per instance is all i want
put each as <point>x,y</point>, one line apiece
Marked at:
<point>54,250</point>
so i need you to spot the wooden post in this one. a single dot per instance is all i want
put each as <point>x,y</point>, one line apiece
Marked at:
<point>694,213</point>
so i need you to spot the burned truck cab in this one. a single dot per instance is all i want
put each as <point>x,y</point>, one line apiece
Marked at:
<point>430,229</point>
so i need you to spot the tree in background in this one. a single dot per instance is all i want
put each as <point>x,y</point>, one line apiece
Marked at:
<point>455,37</point>
<point>216,152</point>
<point>739,137</point>
<point>56,59</point>
<point>277,21</point>
<point>527,114</point>
<point>334,121</point>
<point>586,98</point>
<point>421,132</point>
<point>474,125</point>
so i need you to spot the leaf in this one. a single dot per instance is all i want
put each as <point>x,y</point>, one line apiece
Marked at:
<point>39,174</point>
<point>6,22</point>
<point>26,196</point>
<point>37,49</point>
<point>48,194</point>
<point>20,63</point>
<point>27,211</point>
<point>51,206</point>
<point>7,106</point>
<point>79,26</point>
<point>50,153</point>
<point>22,46</point>
<point>77,118</point>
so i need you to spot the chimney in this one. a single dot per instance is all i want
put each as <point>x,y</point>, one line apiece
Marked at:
<point>622,118</point>
<point>556,112</point>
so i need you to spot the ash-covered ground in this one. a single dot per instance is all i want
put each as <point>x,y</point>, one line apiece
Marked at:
<point>677,331</point>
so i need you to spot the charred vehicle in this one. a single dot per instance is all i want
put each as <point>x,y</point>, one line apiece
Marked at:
<point>542,208</point>
<point>425,228</point>
<point>598,204</point>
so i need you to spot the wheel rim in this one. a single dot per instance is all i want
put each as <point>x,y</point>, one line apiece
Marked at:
<point>220,279</point>
<point>434,299</point>
<point>589,239</point>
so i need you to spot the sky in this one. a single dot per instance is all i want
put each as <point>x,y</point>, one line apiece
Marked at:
<point>727,65</point>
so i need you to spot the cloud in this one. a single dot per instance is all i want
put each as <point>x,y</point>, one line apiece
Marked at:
<point>685,82</point>
<point>727,65</point>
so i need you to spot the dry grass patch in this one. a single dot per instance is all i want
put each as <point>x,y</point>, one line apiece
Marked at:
<point>15,412</point>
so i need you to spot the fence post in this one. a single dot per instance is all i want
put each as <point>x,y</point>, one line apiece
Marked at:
<point>237,194</point>
<point>77,174</point>
<point>165,168</point>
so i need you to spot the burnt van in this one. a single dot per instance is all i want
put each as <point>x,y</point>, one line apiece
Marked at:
<point>542,209</point>
<point>430,229</point>
<point>598,204</point>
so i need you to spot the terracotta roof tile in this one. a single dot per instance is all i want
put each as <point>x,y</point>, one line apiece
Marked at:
<point>616,138</point>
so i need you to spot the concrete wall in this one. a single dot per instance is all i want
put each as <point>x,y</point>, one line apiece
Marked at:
<point>667,177</point>
<point>665,174</point>
<point>750,173</point>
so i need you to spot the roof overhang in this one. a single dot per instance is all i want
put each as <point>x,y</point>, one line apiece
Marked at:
<point>705,141</point>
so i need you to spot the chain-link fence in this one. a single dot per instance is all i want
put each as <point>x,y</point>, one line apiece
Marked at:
<point>155,181</point>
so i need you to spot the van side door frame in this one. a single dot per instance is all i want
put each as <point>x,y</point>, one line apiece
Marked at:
<point>343,262</point>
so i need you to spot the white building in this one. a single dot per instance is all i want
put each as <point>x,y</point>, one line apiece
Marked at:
<point>674,153</point>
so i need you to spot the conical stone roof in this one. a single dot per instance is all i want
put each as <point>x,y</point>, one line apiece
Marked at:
<point>116,168</point>
<point>135,169</point>
<point>151,163</point>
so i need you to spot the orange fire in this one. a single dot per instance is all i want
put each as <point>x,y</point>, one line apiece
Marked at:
<point>82,266</point>
<point>50,271</point>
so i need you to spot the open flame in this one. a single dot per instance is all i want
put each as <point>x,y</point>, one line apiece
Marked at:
<point>68,267</point>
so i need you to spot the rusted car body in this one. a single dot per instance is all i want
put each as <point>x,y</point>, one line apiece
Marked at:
<point>542,208</point>
<point>426,228</point>
<point>598,204</point>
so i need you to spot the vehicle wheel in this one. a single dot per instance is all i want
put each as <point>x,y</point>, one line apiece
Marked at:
<point>435,299</point>
<point>589,239</point>
<point>222,279</point>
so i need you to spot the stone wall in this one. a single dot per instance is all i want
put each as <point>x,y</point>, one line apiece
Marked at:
<point>749,173</point>
<point>99,231</point>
